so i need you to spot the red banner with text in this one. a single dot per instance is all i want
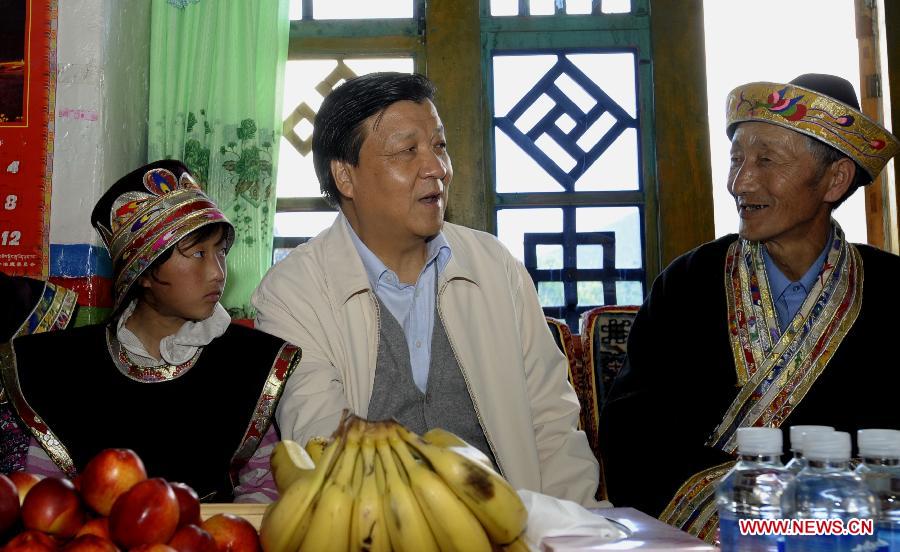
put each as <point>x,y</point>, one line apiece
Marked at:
<point>27,98</point>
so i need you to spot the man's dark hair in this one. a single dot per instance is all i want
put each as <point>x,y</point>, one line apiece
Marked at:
<point>338,130</point>
<point>825,155</point>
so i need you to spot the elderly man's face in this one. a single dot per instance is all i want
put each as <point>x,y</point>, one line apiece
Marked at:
<point>399,188</point>
<point>775,183</point>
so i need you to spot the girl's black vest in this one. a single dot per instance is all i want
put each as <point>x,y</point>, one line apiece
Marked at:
<point>198,428</point>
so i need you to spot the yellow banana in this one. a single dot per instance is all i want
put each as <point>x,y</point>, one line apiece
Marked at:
<point>454,526</point>
<point>367,528</point>
<point>493,501</point>
<point>315,447</point>
<point>406,524</point>
<point>289,462</point>
<point>518,545</point>
<point>446,439</point>
<point>329,528</point>
<point>285,522</point>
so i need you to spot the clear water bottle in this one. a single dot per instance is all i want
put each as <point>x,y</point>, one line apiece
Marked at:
<point>798,432</point>
<point>879,451</point>
<point>827,490</point>
<point>752,489</point>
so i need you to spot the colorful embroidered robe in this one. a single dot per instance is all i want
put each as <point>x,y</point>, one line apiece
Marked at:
<point>706,356</point>
<point>27,306</point>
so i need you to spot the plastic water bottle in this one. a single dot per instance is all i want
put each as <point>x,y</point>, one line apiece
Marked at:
<point>752,489</point>
<point>798,432</point>
<point>827,489</point>
<point>879,450</point>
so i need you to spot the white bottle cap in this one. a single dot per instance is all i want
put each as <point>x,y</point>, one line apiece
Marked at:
<point>759,440</point>
<point>799,431</point>
<point>833,446</point>
<point>878,443</point>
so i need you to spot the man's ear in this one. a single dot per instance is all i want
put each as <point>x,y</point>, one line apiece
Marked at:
<point>343,179</point>
<point>841,174</point>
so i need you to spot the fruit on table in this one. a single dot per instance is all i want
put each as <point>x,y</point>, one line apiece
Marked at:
<point>53,506</point>
<point>155,547</point>
<point>90,543</point>
<point>232,533</point>
<point>9,503</point>
<point>107,475</point>
<point>145,514</point>
<point>31,540</point>
<point>24,482</point>
<point>315,447</point>
<point>453,523</point>
<point>96,526</point>
<point>289,462</point>
<point>188,504</point>
<point>191,538</point>
<point>394,490</point>
<point>493,501</point>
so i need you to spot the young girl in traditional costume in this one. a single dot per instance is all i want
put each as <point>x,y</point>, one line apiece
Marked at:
<point>169,375</point>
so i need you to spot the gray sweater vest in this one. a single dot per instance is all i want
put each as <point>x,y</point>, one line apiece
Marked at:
<point>446,402</point>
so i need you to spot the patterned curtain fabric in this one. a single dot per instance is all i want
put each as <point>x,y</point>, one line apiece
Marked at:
<point>216,79</point>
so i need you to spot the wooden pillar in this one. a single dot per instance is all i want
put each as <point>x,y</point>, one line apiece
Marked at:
<point>453,53</point>
<point>892,66</point>
<point>877,211</point>
<point>684,173</point>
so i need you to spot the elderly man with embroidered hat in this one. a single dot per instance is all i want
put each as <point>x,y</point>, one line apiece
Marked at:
<point>168,375</point>
<point>785,323</point>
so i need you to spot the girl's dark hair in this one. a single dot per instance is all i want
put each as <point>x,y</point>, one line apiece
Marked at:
<point>338,131</point>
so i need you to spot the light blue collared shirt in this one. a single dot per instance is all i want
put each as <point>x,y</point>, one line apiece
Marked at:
<point>789,296</point>
<point>411,304</point>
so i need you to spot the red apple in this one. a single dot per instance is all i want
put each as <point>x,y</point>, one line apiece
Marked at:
<point>53,506</point>
<point>107,475</point>
<point>188,504</point>
<point>232,533</point>
<point>31,541</point>
<point>24,482</point>
<point>155,547</point>
<point>97,526</point>
<point>9,503</point>
<point>90,543</point>
<point>191,538</point>
<point>145,514</point>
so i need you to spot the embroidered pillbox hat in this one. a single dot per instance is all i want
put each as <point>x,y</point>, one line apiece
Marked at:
<point>823,107</point>
<point>145,213</point>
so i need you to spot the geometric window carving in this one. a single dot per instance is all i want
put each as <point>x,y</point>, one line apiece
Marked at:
<point>568,123</point>
<point>303,111</point>
<point>570,275</point>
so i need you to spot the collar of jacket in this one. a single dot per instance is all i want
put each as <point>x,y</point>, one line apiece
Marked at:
<point>339,251</point>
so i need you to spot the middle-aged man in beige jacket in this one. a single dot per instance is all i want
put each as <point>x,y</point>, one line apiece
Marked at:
<point>401,315</point>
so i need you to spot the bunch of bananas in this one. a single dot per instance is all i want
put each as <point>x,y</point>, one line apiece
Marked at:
<point>377,486</point>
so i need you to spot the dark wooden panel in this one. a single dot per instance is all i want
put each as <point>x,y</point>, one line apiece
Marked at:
<point>682,127</point>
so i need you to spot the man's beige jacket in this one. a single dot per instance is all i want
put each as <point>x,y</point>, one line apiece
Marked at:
<point>319,298</point>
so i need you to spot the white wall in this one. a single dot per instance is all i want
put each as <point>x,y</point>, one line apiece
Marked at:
<point>103,50</point>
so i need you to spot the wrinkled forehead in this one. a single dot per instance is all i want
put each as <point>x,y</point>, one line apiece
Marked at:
<point>758,134</point>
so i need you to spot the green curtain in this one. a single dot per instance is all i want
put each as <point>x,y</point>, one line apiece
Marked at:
<point>216,80</point>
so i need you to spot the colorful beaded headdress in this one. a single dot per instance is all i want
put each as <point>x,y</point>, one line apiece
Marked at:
<point>823,107</point>
<point>147,212</point>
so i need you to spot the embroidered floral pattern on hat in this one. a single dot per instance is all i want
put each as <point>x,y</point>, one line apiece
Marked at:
<point>818,116</point>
